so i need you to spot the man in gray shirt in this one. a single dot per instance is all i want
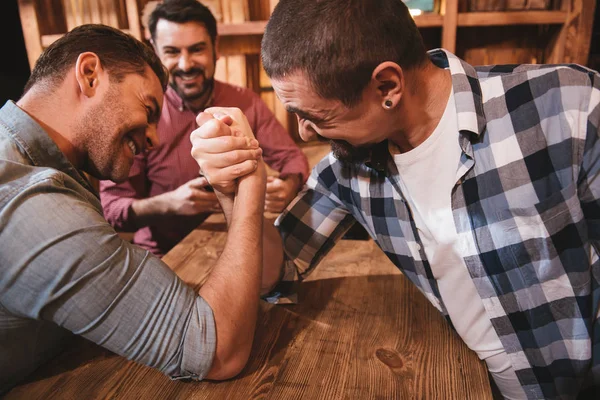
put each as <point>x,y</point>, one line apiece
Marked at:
<point>92,103</point>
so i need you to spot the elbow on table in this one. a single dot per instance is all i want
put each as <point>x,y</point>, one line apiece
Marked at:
<point>228,364</point>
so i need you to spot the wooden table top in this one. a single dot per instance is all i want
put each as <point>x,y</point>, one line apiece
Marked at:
<point>360,330</point>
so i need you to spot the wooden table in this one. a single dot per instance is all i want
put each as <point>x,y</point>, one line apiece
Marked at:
<point>361,330</point>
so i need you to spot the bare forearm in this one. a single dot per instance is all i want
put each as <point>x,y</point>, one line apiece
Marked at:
<point>233,288</point>
<point>147,211</point>
<point>226,202</point>
<point>272,256</point>
<point>272,247</point>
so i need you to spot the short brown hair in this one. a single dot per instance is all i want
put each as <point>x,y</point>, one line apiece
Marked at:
<point>182,11</point>
<point>338,43</point>
<point>119,53</point>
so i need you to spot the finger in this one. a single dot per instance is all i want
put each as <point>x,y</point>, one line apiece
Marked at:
<point>206,116</point>
<point>224,177</point>
<point>239,126</point>
<point>222,144</point>
<point>270,178</point>
<point>208,198</point>
<point>273,188</point>
<point>275,196</point>
<point>211,162</point>
<point>274,206</point>
<point>211,128</point>
<point>198,183</point>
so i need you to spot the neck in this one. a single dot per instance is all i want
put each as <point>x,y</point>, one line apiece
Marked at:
<point>48,114</point>
<point>422,106</point>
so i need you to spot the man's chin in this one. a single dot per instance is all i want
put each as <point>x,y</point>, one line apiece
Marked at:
<point>348,154</point>
<point>191,94</point>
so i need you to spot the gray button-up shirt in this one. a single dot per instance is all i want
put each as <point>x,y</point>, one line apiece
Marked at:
<point>64,269</point>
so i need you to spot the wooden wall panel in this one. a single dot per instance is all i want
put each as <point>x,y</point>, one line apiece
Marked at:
<point>500,45</point>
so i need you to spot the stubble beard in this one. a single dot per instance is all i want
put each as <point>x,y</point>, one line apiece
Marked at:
<point>347,154</point>
<point>104,157</point>
<point>207,87</point>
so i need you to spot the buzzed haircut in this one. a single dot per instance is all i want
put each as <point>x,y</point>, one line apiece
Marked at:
<point>338,43</point>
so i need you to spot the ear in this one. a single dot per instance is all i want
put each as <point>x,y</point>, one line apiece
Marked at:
<point>217,54</point>
<point>389,81</point>
<point>87,73</point>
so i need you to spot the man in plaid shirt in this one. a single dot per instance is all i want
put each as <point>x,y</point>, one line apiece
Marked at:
<point>478,183</point>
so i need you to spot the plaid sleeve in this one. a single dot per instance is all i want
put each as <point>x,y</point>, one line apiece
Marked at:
<point>589,196</point>
<point>589,174</point>
<point>314,221</point>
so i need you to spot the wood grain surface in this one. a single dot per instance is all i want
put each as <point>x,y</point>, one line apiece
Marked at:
<point>360,330</point>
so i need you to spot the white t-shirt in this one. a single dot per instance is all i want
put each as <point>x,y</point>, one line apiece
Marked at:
<point>427,175</point>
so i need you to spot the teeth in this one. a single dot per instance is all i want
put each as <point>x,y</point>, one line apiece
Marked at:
<point>132,147</point>
<point>188,77</point>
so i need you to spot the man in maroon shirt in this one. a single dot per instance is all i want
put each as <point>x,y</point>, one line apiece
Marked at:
<point>165,197</point>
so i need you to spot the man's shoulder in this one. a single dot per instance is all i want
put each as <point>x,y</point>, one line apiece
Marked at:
<point>551,75</point>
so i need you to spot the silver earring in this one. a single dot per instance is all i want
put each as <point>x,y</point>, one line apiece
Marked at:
<point>388,104</point>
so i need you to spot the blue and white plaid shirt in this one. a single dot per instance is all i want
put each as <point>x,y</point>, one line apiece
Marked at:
<point>526,203</point>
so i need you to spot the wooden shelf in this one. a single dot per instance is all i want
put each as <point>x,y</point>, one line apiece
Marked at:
<point>512,18</point>
<point>242,28</point>
<point>47,40</point>
<point>429,20</point>
<point>426,20</point>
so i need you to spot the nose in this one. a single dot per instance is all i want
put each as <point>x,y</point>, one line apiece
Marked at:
<point>151,137</point>
<point>185,62</point>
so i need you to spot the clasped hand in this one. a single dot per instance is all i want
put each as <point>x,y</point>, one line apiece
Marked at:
<point>224,147</point>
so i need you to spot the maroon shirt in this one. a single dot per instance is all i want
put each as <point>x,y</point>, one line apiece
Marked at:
<point>170,164</point>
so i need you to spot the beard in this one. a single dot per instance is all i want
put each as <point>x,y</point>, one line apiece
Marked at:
<point>347,154</point>
<point>102,141</point>
<point>207,84</point>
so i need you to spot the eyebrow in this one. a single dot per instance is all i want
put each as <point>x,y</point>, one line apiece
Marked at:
<point>202,43</point>
<point>154,114</point>
<point>305,114</point>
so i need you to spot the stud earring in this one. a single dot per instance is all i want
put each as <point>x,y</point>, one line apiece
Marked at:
<point>388,104</point>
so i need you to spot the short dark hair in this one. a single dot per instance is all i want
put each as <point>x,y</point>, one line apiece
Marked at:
<point>181,11</point>
<point>119,53</point>
<point>338,43</point>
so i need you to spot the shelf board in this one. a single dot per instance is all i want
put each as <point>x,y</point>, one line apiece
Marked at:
<point>429,20</point>
<point>512,18</point>
<point>242,28</point>
<point>47,40</point>
<point>426,20</point>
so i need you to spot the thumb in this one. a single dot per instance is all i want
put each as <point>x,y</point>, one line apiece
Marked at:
<point>199,182</point>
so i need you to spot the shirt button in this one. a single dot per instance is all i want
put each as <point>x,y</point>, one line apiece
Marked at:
<point>418,247</point>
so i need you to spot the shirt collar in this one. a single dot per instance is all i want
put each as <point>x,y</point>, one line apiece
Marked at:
<point>35,142</point>
<point>467,91</point>
<point>468,100</point>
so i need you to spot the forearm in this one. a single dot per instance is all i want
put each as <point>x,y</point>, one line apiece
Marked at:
<point>272,256</point>
<point>226,202</point>
<point>233,287</point>
<point>147,211</point>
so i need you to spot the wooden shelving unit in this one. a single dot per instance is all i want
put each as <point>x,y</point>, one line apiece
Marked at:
<point>574,21</point>
<point>561,35</point>
<point>512,18</point>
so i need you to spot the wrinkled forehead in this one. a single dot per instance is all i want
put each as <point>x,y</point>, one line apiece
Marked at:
<point>293,86</point>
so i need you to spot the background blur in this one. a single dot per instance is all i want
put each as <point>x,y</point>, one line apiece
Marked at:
<point>479,31</point>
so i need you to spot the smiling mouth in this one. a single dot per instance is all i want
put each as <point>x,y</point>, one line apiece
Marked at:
<point>132,146</point>
<point>188,77</point>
